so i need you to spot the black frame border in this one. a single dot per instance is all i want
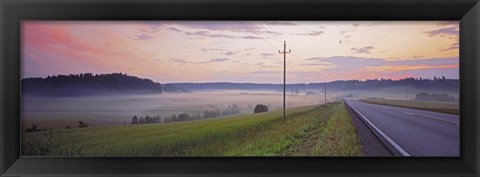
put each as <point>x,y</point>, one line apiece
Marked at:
<point>12,12</point>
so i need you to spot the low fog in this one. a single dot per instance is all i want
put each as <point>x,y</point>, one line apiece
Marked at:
<point>119,109</point>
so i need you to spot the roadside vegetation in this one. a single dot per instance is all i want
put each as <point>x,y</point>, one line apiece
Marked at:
<point>442,107</point>
<point>308,131</point>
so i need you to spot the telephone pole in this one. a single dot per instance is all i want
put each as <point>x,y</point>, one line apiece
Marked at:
<point>325,94</point>
<point>333,90</point>
<point>284,73</point>
<point>406,93</point>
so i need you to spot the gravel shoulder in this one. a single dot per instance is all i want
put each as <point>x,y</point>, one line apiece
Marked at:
<point>372,146</point>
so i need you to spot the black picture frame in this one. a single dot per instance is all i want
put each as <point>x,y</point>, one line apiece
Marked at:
<point>14,11</point>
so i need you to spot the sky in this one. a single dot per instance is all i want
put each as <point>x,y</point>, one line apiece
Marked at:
<point>242,51</point>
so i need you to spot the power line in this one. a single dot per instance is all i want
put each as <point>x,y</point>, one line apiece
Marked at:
<point>277,37</point>
<point>298,58</point>
<point>269,32</point>
<point>259,36</point>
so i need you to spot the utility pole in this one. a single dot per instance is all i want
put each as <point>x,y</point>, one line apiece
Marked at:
<point>335,96</point>
<point>284,73</point>
<point>406,94</point>
<point>325,94</point>
<point>333,90</point>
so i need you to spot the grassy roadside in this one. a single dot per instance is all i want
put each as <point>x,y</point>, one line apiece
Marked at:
<point>264,134</point>
<point>449,108</point>
<point>339,136</point>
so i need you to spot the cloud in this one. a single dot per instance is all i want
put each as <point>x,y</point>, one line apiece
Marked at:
<point>454,46</point>
<point>215,60</point>
<point>351,62</point>
<point>207,34</point>
<point>364,50</point>
<point>217,26</point>
<point>174,29</point>
<point>142,37</point>
<point>218,35</point>
<point>448,23</point>
<point>350,67</point>
<point>154,26</point>
<point>282,23</point>
<point>267,54</point>
<point>183,61</point>
<point>211,49</point>
<point>317,64</point>
<point>262,65</point>
<point>249,37</point>
<point>312,33</point>
<point>229,53</point>
<point>449,31</point>
<point>222,51</point>
<point>398,68</point>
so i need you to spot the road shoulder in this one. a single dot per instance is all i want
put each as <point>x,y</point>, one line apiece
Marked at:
<point>372,146</point>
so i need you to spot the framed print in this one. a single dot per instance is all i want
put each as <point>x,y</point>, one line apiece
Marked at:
<point>284,88</point>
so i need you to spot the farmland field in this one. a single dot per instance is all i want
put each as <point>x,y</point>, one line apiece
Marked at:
<point>443,107</point>
<point>308,131</point>
<point>59,112</point>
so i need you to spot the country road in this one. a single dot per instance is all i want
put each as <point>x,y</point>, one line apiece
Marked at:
<point>410,131</point>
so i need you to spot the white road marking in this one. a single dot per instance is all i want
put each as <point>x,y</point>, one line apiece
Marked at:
<point>434,118</point>
<point>393,143</point>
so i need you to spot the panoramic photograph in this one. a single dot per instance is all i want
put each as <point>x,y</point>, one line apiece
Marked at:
<point>240,88</point>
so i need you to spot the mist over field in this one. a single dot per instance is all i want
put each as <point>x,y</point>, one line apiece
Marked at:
<point>59,112</point>
<point>115,109</point>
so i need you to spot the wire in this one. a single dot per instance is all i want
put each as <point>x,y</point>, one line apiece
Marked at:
<point>259,36</point>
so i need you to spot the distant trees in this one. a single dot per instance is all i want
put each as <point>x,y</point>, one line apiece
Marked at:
<point>134,120</point>
<point>436,82</point>
<point>434,97</point>
<point>230,110</point>
<point>422,96</point>
<point>295,91</point>
<point>33,128</point>
<point>145,120</point>
<point>88,83</point>
<point>234,109</point>
<point>82,124</point>
<point>260,108</point>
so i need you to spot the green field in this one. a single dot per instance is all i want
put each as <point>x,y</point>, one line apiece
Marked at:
<point>308,131</point>
<point>449,108</point>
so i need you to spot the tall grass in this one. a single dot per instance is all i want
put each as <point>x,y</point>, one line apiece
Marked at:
<point>339,137</point>
<point>263,134</point>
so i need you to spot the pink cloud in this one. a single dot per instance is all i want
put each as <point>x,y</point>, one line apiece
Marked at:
<point>83,47</point>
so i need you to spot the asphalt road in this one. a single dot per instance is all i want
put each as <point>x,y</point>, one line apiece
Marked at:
<point>413,132</point>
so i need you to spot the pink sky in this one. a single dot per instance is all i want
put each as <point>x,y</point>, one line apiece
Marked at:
<point>202,51</point>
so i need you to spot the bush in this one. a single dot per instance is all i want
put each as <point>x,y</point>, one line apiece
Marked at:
<point>82,124</point>
<point>260,108</point>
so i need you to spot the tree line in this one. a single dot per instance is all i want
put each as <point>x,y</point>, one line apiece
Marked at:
<point>230,110</point>
<point>435,82</point>
<point>88,83</point>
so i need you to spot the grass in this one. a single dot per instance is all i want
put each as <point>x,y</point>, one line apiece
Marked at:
<point>339,136</point>
<point>449,108</point>
<point>263,134</point>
